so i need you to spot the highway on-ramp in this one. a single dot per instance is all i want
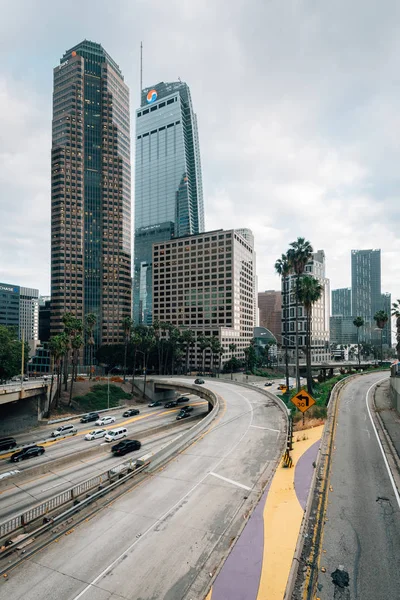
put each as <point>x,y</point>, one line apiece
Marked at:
<point>361,536</point>
<point>163,538</point>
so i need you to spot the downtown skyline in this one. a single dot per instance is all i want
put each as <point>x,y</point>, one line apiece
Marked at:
<point>246,180</point>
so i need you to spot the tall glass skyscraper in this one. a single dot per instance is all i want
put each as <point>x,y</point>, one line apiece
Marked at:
<point>91,192</point>
<point>168,182</point>
<point>366,298</point>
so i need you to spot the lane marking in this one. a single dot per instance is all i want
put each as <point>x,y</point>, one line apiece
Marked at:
<point>245,487</point>
<point>267,428</point>
<point>396,493</point>
<point>54,486</point>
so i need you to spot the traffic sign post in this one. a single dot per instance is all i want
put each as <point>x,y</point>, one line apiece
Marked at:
<point>303,400</point>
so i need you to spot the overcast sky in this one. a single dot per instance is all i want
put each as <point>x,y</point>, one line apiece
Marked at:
<point>298,111</point>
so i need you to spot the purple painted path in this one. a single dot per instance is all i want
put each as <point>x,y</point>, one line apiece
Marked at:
<point>303,473</point>
<point>239,578</point>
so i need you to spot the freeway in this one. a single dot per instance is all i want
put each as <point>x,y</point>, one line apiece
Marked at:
<point>361,537</point>
<point>163,538</point>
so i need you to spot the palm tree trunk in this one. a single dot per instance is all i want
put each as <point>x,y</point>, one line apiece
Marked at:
<point>297,335</point>
<point>125,354</point>
<point>145,361</point>
<point>58,391</point>
<point>308,353</point>
<point>72,379</point>
<point>286,333</point>
<point>358,345</point>
<point>90,359</point>
<point>187,358</point>
<point>65,362</point>
<point>133,371</point>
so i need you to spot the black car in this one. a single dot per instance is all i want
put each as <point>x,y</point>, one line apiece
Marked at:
<point>27,452</point>
<point>7,443</point>
<point>199,381</point>
<point>92,416</point>
<point>170,404</point>
<point>184,412</point>
<point>126,446</point>
<point>155,403</point>
<point>182,399</point>
<point>131,412</point>
<point>267,383</point>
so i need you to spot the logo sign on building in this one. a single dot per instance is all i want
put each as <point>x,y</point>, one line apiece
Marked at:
<point>8,288</point>
<point>303,400</point>
<point>151,96</point>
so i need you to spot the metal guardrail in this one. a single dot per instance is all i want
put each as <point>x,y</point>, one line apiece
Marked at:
<point>41,510</point>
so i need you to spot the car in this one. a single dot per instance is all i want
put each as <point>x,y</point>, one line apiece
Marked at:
<point>267,383</point>
<point>199,381</point>
<point>106,420</point>
<point>184,412</point>
<point>182,399</point>
<point>26,378</point>
<point>95,434</point>
<point>131,412</point>
<point>155,403</point>
<point>27,452</point>
<point>92,416</point>
<point>7,443</point>
<point>9,474</point>
<point>170,404</point>
<point>126,446</point>
<point>115,434</point>
<point>63,430</point>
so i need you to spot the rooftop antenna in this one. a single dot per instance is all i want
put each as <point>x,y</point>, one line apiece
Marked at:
<point>141,71</point>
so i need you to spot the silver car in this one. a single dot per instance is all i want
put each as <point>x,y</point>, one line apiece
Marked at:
<point>95,434</point>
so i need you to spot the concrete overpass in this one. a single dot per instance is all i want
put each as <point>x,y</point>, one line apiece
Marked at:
<point>28,389</point>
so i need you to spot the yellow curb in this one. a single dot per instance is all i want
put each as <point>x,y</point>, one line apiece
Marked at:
<point>282,519</point>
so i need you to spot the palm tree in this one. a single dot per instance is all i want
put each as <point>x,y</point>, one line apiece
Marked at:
<point>358,322</point>
<point>309,292</point>
<point>381,318</point>
<point>90,321</point>
<point>57,349</point>
<point>232,349</point>
<point>221,351</point>
<point>188,338</point>
<point>282,267</point>
<point>174,342</point>
<point>127,325</point>
<point>76,345</point>
<point>157,335</point>
<point>135,341</point>
<point>298,255</point>
<point>214,346</point>
<point>396,313</point>
<point>203,343</point>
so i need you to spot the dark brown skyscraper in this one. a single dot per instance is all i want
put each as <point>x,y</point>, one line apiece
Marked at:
<point>270,307</point>
<point>91,192</point>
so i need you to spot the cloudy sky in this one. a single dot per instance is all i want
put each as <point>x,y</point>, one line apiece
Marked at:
<point>298,110</point>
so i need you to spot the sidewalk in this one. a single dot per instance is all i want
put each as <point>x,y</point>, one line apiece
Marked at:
<point>258,566</point>
<point>389,415</point>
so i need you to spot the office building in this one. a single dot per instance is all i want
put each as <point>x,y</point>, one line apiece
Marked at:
<point>19,308</point>
<point>91,193</point>
<point>366,297</point>
<point>270,309</point>
<point>386,305</point>
<point>205,283</point>
<point>9,305</point>
<point>44,320</point>
<point>168,181</point>
<point>320,313</point>
<point>342,330</point>
<point>341,302</point>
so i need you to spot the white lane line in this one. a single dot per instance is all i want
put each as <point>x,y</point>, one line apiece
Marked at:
<point>267,428</point>
<point>396,493</point>
<point>172,508</point>
<point>54,486</point>
<point>245,487</point>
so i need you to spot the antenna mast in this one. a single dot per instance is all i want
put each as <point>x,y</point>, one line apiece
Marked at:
<point>141,71</point>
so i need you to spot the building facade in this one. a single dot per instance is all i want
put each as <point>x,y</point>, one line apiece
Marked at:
<point>341,302</point>
<point>320,313</point>
<point>270,310</point>
<point>9,305</point>
<point>91,192</point>
<point>168,181</point>
<point>366,290</point>
<point>205,283</point>
<point>19,308</point>
<point>342,330</point>
<point>44,321</point>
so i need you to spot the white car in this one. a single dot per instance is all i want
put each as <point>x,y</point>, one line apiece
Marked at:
<point>96,433</point>
<point>105,420</point>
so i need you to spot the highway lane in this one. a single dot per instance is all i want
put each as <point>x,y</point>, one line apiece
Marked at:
<point>17,499</point>
<point>60,447</point>
<point>162,539</point>
<point>361,537</point>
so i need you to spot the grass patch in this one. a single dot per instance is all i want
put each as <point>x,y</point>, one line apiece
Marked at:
<point>97,398</point>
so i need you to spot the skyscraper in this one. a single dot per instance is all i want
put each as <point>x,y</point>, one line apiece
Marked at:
<point>341,302</point>
<point>270,307</point>
<point>168,182</point>
<point>91,192</point>
<point>366,288</point>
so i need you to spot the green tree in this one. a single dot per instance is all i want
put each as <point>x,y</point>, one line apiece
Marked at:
<point>135,342</point>
<point>396,313</point>
<point>250,357</point>
<point>232,350</point>
<point>203,343</point>
<point>298,255</point>
<point>90,322</point>
<point>309,292</point>
<point>283,268</point>
<point>188,339</point>
<point>76,345</point>
<point>358,322</point>
<point>11,353</point>
<point>381,318</point>
<point>58,346</point>
<point>127,325</point>
<point>72,327</point>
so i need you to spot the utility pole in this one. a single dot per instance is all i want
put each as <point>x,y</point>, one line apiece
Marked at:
<point>22,357</point>
<point>141,71</point>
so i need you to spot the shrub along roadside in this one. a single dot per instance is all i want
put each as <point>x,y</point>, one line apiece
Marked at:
<point>97,398</point>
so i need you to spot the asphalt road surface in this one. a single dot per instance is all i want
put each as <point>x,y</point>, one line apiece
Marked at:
<point>161,539</point>
<point>361,539</point>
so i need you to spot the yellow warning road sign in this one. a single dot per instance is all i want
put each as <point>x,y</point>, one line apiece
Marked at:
<point>303,400</point>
